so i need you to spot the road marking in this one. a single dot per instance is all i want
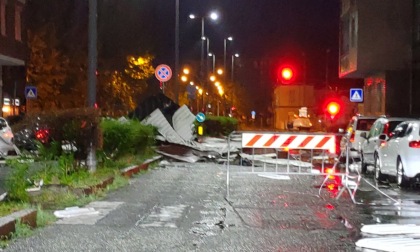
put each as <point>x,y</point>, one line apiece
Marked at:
<point>162,217</point>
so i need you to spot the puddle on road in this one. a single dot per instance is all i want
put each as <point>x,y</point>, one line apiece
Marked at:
<point>404,210</point>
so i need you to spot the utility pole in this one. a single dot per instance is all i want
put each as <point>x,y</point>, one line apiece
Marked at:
<point>92,68</point>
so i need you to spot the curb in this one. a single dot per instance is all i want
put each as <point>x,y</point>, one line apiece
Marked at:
<point>132,170</point>
<point>29,216</point>
<point>8,223</point>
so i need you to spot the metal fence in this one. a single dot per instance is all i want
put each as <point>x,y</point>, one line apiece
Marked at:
<point>300,152</point>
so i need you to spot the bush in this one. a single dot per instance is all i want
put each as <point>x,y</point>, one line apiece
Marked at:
<point>76,127</point>
<point>128,137</point>
<point>16,182</point>
<point>219,125</point>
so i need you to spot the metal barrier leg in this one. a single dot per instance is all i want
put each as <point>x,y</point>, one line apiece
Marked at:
<point>312,159</point>
<point>228,168</point>
<point>253,158</point>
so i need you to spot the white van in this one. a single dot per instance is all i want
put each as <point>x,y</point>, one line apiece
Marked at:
<point>352,137</point>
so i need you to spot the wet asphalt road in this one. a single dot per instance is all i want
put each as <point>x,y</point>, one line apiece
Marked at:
<point>182,207</point>
<point>386,203</point>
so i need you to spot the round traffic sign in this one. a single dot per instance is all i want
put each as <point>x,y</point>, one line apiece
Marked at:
<point>200,117</point>
<point>163,73</point>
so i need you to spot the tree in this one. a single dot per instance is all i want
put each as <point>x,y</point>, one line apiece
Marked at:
<point>119,90</point>
<point>115,94</point>
<point>137,71</point>
<point>46,68</point>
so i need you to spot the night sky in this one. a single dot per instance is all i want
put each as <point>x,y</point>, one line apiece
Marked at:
<point>261,29</point>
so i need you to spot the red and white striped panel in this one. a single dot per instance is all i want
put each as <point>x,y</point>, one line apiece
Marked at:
<point>288,140</point>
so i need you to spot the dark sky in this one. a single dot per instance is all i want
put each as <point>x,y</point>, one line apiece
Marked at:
<point>261,29</point>
<point>269,29</point>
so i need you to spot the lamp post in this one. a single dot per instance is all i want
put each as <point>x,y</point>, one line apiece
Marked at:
<point>224,53</point>
<point>208,51</point>
<point>236,55</point>
<point>214,61</point>
<point>213,16</point>
<point>176,50</point>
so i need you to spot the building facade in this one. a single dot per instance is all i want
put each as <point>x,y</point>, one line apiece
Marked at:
<point>376,44</point>
<point>12,37</point>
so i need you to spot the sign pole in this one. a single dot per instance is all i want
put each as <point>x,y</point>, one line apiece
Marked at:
<point>163,73</point>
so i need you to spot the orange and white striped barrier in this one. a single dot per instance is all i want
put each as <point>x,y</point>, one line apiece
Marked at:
<point>297,145</point>
<point>289,141</point>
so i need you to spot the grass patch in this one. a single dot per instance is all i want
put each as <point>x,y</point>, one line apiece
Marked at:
<point>119,181</point>
<point>22,230</point>
<point>83,179</point>
<point>53,199</point>
<point>44,218</point>
<point>9,207</point>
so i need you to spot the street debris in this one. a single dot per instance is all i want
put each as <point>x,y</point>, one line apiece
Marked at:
<point>69,212</point>
<point>37,186</point>
<point>3,196</point>
<point>176,129</point>
<point>179,140</point>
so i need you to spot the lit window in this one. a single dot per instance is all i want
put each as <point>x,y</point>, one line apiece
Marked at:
<point>3,17</point>
<point>18,23</point>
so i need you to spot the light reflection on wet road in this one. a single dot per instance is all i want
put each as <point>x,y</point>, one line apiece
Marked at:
<point>404,210</point>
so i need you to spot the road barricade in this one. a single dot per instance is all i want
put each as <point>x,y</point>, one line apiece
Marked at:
<point>300,152</point>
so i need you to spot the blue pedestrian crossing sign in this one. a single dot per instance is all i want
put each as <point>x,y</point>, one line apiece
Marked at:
<point>356,94</point>
<point>30,92</point>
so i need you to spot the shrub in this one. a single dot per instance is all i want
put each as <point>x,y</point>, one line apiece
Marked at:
<point>128,137</point>
<point>16,182</point>
<point>76,127</point>
<point>219,125</point>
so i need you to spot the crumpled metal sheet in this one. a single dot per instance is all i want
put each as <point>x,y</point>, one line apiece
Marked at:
<point>183,122</point>
<point>181,136</point>
<point>179,153</point>
<point>157,119</point>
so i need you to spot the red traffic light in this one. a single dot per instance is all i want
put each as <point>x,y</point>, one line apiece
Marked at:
<point>333,108</point>
<point>286,75</point>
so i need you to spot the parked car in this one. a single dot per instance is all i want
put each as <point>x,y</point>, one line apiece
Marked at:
<point>399,154</point>
<point>382,125</point>
<point>6,139</point>
<point>352,136</point>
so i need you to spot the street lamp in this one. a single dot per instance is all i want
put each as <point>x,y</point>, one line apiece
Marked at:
<point>236,55</point>
<point>224,53</point>
<point>208,51</point>
<point>176,50</point>
<point>212,16</point>
<point>214,60</point>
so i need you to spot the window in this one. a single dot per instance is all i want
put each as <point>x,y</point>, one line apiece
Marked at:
<point>3,17</point>
<point>364,124</point>
<point>392,126</point>
<point>374,130</point>
<point>18,23</point>
<point>353,30</point>
<point>417,21</point>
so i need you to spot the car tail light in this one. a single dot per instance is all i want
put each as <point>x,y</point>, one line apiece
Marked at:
<point>383,143</point>
<point>352,137</point>
<point>42,135</point>
<point>414,144</point>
